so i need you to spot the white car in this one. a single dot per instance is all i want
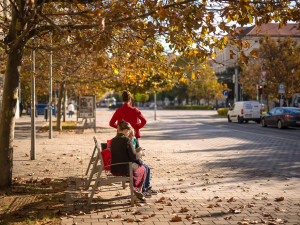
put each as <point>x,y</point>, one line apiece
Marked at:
<point>244,111</point>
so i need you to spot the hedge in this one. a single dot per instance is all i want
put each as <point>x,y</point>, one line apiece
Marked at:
<point>222,111</point>
<point>189,107</point>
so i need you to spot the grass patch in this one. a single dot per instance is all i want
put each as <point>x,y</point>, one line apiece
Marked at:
<point>33,202</point>
<point>188,107</point>
<point>69,126</point>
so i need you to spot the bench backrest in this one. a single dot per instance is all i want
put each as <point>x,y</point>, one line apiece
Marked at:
<point>99,155</point>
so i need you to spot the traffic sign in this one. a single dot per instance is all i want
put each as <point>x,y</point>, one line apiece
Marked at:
<point>281,88</point>
<point>262,80</point>
<point>225,92</point>
<point>263,74</point>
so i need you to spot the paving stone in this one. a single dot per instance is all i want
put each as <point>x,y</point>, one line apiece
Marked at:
<point>211,157</point>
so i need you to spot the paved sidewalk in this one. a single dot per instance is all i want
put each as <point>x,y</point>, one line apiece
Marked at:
<point>205,174</point>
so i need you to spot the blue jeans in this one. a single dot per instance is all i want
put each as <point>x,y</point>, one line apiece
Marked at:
<point>147,178</point>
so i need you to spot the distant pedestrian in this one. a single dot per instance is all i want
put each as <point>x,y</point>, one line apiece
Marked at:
<point>129,114</point>
<point>71,109</point>
<point>21,108</point>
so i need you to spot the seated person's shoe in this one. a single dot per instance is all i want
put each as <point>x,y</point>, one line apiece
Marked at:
<point>151,191</point>
<point>140,196</point>
<point>147,194</point>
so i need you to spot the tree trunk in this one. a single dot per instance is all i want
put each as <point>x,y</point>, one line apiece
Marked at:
<point>8,110</point>
<point>65,105</point>
<point>59,112</point>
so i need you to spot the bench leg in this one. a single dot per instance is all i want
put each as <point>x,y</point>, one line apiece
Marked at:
<point>90,163</point>
<point>131,184</point>
<point>94,188</point>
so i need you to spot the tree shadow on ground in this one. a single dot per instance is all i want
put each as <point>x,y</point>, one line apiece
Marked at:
<point>33,201</point>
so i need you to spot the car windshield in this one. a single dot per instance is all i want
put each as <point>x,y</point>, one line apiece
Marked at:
<point>295,110</point>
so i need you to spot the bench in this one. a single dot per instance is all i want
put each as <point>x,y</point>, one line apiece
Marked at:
<point>104,177</point>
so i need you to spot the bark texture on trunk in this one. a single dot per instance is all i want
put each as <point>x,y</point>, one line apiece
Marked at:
<point>59,108</point>
<point>8,110</point>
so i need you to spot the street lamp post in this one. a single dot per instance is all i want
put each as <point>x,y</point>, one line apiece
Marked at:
<point>50,92</point>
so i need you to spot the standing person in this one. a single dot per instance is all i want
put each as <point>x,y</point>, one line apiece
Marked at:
<point>129,114</point>
<point>71,109</point>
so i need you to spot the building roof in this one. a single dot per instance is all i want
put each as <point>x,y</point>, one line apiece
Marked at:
<point>271,29</point>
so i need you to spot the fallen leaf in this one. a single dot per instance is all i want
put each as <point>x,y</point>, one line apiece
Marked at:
<point>279,199</point>
<point>129,220</point>
<point>232,199</point>
<point>162,199</point>
<point>183,191</point>
<point>139,220</point>
<point>183,209</point>
<point>46,181</point>
<point>137,213</point>
<point>152,215</point>
<point>210,206</point>
<point>127,209</point>
<point>145,217</point>
<point>228,218</point>
<point>169,204</point>
<point>176,219</point>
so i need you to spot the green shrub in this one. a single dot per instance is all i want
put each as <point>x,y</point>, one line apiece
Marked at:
<point>189,107</point>
<point>222,111</point>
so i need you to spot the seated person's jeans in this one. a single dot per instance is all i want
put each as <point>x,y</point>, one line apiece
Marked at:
<point>147,178</point>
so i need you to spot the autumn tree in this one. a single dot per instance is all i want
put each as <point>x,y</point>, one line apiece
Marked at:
<point>188,27</point>
<point>205,85</point>
<point>281,60</point>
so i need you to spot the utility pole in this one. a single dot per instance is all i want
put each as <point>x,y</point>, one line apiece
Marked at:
<point>50,92</point>
<point>236,83</point>
<point>155,106</point>
<point>33,131</point>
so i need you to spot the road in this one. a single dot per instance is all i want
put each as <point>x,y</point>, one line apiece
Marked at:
<point>270,150</point>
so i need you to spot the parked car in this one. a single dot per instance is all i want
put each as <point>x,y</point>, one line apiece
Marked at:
<point>40,109</point>
<point>245,111</point>
<point>282,117</point>
<point>116,106</point>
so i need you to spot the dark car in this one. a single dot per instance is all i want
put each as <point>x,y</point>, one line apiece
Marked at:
<point>40,109</point>
<point>282,117</point>
<point>116,106</point>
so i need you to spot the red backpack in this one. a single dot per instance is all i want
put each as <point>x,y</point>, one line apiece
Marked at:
<point>106,156</point>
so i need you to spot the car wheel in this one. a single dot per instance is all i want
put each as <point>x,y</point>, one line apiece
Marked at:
<point>257,121</point>
<point>263,123</point>
<point>280,124</point>
<point>246,121</point>
<point>229,120</point>
<point>240,120</point>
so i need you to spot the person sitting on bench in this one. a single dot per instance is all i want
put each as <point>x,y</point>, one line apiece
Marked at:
<point>122,151</point>
<point>147,189</point>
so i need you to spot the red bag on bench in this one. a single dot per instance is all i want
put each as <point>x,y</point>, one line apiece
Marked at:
<point>106,156</point>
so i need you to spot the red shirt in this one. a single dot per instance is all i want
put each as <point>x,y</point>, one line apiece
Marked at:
<point>131,115</point>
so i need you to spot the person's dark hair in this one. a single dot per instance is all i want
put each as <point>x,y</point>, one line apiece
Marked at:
<point>123,125</point>
<point>126,96</point>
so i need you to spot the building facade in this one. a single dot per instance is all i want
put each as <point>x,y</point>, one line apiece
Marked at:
<point>252,35</point>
